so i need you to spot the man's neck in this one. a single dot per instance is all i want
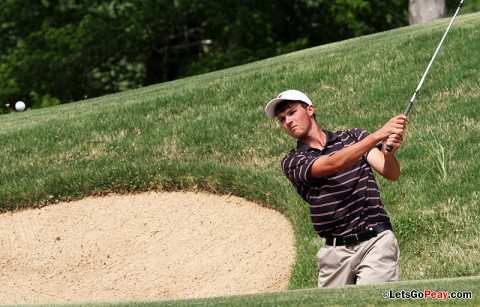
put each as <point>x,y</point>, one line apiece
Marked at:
<point>315,139</point>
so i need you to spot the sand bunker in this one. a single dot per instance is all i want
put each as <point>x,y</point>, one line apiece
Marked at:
<point>141,247</point>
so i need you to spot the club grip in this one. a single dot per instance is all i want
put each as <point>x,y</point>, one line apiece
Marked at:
<point>407,110</point>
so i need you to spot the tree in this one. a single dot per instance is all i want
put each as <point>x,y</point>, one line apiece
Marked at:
<point>71,50</point>
<point>421,11</point>
<point>54,51</point>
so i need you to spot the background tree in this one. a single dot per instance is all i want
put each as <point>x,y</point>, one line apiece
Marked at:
<point>58,51</point>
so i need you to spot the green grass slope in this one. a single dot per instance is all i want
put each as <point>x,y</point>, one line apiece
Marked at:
<point>209,133</point>
<point>461,292</point>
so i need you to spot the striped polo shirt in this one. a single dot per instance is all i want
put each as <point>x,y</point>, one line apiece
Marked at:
<point>344,202</point>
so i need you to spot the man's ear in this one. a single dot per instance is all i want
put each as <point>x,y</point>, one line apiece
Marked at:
<point>310,110</point>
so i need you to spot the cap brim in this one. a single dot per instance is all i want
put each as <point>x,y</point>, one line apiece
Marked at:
<point>271,105</point>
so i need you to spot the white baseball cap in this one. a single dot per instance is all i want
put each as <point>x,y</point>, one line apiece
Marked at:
<point>293,95</point>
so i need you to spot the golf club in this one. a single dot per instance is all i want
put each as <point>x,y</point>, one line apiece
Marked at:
<point>410,104</point>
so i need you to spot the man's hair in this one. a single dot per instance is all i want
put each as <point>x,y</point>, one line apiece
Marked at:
<point>282,106</point>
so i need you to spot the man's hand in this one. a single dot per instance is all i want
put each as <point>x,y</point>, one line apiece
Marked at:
<point>391,134</point>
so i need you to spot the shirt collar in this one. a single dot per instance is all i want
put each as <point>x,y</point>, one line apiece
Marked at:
<point>331,136</point>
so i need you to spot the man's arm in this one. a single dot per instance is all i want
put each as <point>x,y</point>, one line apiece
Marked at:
<point>384,163</point>
<point>328,165</point>
<point>391,133</point>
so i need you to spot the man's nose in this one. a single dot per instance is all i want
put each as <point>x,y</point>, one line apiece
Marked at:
<point>288,120</point>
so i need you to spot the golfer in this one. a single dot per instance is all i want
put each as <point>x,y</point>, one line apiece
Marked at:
<point>332,171</point>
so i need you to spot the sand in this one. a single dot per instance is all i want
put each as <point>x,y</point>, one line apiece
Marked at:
<point>143,247</point>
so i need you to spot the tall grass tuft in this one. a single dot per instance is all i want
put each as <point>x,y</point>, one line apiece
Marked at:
<point>441,157</point>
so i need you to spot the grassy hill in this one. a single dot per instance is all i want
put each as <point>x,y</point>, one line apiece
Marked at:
<point>209,133</point>
<point>462,292</point>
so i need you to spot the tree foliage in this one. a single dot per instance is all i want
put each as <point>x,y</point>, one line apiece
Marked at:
<point>54,51</point>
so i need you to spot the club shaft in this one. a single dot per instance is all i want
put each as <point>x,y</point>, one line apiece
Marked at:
<point>410,104</point>
<point>433,59</point>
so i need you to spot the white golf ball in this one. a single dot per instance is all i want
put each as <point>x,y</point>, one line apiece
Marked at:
<point>20,106</point>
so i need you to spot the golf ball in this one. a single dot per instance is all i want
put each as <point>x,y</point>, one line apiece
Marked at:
<point>20,106</point>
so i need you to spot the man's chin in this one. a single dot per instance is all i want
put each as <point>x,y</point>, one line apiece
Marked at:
<point>297,134</point>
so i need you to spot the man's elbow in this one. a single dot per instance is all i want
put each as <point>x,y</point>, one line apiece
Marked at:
<point>392,177</point>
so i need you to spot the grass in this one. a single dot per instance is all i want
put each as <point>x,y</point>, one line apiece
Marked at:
<point>209,133</point>
<point>403,293</point>
<point>441,157</point>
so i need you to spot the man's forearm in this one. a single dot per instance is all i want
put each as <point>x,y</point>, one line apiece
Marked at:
<point>328,165</point>
<point>391,167</point>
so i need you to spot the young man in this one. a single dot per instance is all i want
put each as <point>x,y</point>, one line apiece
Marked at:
<point>332,171</point>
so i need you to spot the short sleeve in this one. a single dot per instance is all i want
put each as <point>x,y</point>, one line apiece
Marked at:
<point>296,166</point>
<point>359,134</point>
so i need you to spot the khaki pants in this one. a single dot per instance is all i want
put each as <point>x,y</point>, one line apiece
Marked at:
<point>370,262</point>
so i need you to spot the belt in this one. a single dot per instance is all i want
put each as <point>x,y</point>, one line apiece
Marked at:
<point>355,238</point>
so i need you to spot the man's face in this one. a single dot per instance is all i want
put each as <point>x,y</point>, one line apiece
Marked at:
<point>296,120</point>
